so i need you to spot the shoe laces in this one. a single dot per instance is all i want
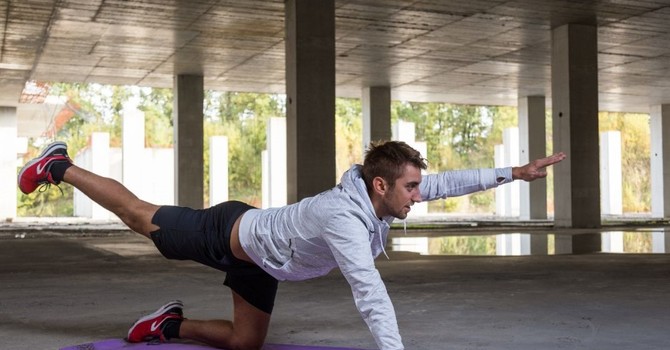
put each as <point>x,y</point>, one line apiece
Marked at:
<point>45,187</point>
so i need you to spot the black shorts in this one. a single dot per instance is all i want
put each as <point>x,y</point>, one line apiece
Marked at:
<point>203,235</point>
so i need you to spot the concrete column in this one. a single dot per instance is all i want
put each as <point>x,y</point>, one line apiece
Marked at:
<point>133,163</point>
<point>507,154</point>
<point>376,105</point>
<point>611,199</point>
<point>155,189</point>
<point>275,166</point>
<point>406,132</point>
<point>532,145</point>
<point>100,165</point>
<point>511,149</point>
<point>612,242</point>
<point>218,170</point>
<point>660,241</point>
<point>539,244</point>
<point>188,140</point>
<point>500,192</point>
<point>8,135</point>
<point>577,243</point>
<point>513,244</point>
<point>265,179</point>
<point>99,158</point>
<point>660,160</point>
<point>574,86</point>
<point>562,244</point>
<point>310,95</point>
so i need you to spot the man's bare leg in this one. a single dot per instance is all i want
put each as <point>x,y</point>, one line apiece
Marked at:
<point>115,197</point>
<point>247,331</point>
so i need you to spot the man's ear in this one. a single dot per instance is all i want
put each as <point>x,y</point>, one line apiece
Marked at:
<point>379,185</point>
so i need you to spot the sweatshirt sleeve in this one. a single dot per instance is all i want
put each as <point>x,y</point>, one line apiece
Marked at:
<point>461,182</point>
<point>350,246</point>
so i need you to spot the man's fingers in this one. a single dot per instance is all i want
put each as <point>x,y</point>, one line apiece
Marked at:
<point>552,159</point>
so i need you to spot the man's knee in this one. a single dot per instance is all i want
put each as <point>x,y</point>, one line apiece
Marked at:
<point>247,344</point>
<point>138,217</point>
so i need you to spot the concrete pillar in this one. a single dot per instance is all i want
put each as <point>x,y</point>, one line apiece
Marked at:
<point>218,170</point>
<point>8,156</point>
<point>660,241</point>
<point>133,163</point>
<point>274,168</point>
<point>155,189</point>
<point>310,97</point>
<point>406,132</point>
<point>562,244</point>
<point>660,160</point>
<point>376,105</point>
<point>532,145</point>
<point>100,165</point>
<point>513,244</point>
<point>265,179</point>
<point>507,154</point>
<point>574,86</point>
<point>419,245</point>
<point>511,147</point>
<point>577,243</point>
<point>500,192</point>
<point>612,242</point>
<point>188,140</point>
<point>539,244</point>
<point>611,199</point>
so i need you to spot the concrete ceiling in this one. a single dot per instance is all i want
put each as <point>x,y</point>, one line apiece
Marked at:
<point>475,52</point>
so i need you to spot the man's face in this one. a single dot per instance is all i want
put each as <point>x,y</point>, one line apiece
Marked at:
<point>398,199</point>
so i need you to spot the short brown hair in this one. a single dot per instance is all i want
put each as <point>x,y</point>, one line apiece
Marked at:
<point>388,160</point>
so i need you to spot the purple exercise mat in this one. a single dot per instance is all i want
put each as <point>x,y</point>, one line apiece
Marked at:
<point>115,344</point>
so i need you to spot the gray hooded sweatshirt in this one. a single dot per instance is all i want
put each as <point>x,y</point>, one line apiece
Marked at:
<point>339,228</point>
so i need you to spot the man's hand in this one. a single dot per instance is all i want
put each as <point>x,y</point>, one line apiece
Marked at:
<point>536,169</point>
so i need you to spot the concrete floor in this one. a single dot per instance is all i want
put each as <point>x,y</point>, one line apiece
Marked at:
<point>60,288</point>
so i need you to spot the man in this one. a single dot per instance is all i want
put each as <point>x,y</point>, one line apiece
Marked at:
<point>344,227</point>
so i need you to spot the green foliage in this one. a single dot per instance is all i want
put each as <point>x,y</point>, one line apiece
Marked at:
<point>637,242</point>
<point>95,109</point>
<point>466,245</point>
<point>457,137</point>
<point>243,118</point>
<point>635,153</point>
<point>348,134</point>
<point>158,125</point>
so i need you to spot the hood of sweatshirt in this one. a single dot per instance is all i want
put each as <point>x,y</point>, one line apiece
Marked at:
<point>353,184</point>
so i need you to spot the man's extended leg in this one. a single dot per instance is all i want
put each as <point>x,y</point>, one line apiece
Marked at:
<point>247,330</point>
<point>115,197</point>
<point>53,165</point>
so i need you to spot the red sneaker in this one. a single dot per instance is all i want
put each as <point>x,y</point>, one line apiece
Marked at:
<point>36,171</point>
<point>151,326</point>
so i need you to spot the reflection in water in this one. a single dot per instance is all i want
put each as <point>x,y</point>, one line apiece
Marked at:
<point>642,241</point>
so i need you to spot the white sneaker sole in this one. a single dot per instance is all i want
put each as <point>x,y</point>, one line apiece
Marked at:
<point>160,311</point>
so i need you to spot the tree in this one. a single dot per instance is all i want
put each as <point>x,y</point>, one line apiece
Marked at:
<point>348,134</point>
<point>242,117</point>
<point>94,108</point>
<point>635,153</point>
<point>157,105</point>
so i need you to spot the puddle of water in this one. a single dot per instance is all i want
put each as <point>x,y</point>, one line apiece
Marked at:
<point>652,241</point>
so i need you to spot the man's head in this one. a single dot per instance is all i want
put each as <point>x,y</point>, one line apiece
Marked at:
<point>388,160</point>
<point>385,165</point>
